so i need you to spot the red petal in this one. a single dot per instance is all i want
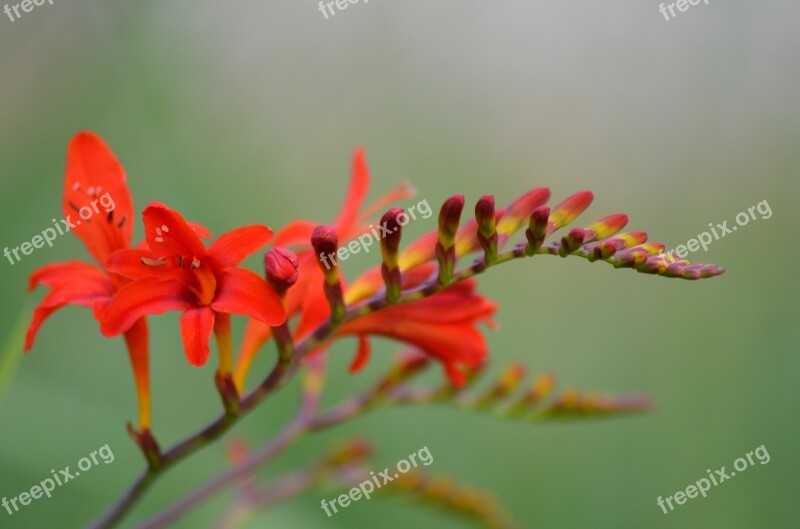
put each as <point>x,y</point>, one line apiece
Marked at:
<point>200,230</point>
<point>128,263</point>
<point>401,191</point>
<point>141,298</point>
<point>455,375</point>
<point>72,283</point>
<point>136,339</point>
<point>359,182</point>
<point>231,248</point>
<point>168,234</point>
<point>196,327</point>
<point>58,274</point>
<point>298,232</point>
<point>95,183</point>
<point>362,355</point>
<point>241,291</point>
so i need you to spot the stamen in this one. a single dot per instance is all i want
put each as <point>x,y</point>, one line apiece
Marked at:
<point>153,262</point>
<point>110,217</point>
<point>180,261</point>
<point>73,206</point>
<point>195,263</point>
<point>124,218</point>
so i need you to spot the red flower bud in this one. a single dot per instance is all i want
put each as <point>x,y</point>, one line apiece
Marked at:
<point>572,241</point>
<point>449,217</point>
<point>537,229</point>
<point>281,269</point>
<point>390,245</point>
<point>486,216</point>
<point>325,241</point>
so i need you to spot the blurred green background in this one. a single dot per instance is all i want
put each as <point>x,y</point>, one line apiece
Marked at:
<point>244,112</point>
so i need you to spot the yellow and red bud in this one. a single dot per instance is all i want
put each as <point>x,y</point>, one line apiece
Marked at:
<point>325,242</point>
<point>572,242</point>
<point>392,229</point>
<point>486,218</point>
<point>449,218</point>
<point>537,229</point>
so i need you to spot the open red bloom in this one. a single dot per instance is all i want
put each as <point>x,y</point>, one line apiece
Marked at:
<point>443,326</point>
<point>95,182</point>
<point>178,272</point>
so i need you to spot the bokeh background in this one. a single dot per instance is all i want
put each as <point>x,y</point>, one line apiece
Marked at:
<point>246,112</point>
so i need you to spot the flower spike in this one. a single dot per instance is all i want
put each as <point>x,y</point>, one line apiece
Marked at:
<point>449,217</point>
<point>325,241</point>
<point>390,245</point>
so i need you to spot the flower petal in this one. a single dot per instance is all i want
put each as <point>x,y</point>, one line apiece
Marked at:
<point>141,298</point>
<point>298,232</point>
<point>241,291</point>
<point>95,187</point>
<point>168,234</point>
<point>136,339</point>
<point>132,264</point>
<point>359,183</point>
<point>231,248</point>
<point>362,355</point>
<point>196,328</point>
<point>72,283</point>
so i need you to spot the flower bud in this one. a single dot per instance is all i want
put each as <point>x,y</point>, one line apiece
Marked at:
<point>449,217</point>
<point>572,241</point>
<point>325,242</point>
<point>390,245</point>
<point>487,227</point>
<point>281,269</point>
<point>537,228</point>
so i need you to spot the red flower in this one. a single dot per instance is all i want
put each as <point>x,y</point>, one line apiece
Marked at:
<point>443,326</point>
<point>303,296</point>
<point>178,272</point>
<point>95,182</point>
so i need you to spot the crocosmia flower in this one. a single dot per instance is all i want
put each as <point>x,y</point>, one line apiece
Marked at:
<point>99,211</point>
<point>178,272</point>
